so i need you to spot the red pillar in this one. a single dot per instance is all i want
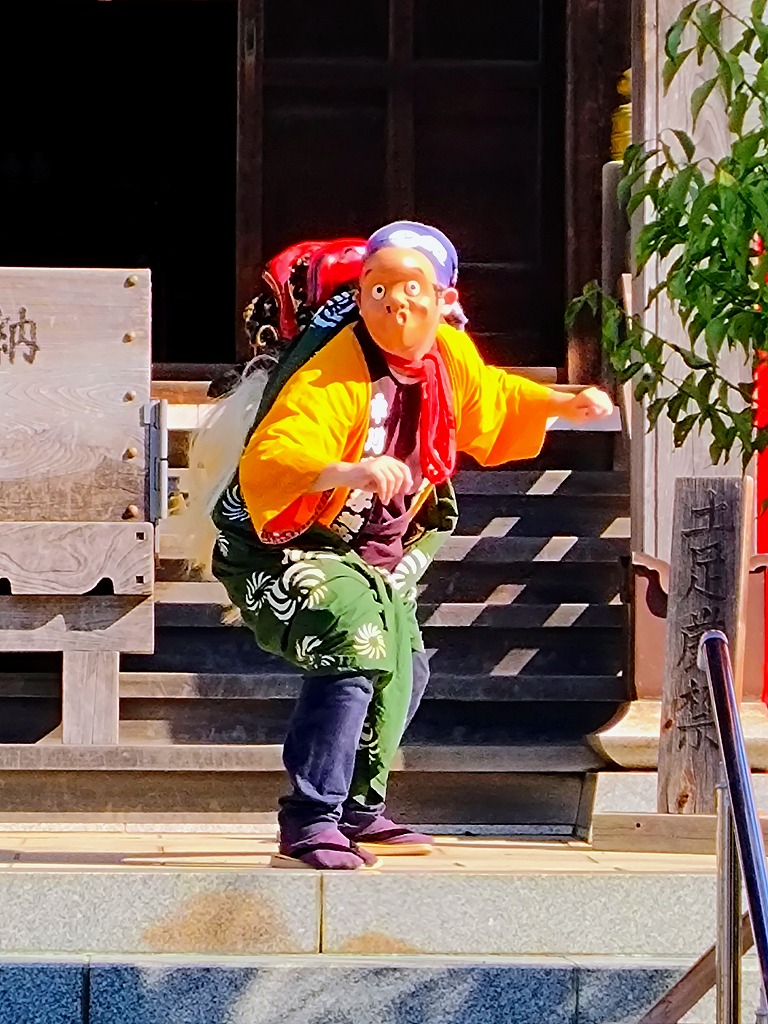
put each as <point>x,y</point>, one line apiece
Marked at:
<point>761,420</point>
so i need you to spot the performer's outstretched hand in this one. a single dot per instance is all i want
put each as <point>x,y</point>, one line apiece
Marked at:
<point>590,404</point>
<point>381,475</point>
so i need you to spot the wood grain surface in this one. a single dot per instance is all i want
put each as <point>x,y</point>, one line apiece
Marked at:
<point>707,581</point>
<point>74,558</point>
<point>70,410</point>
<point>70,623</point>
<point>91,697</point>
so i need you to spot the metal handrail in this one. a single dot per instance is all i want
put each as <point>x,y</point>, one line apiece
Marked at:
<point>715,661</point>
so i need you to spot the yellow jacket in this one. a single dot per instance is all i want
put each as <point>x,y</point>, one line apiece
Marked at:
<point>322,414</point>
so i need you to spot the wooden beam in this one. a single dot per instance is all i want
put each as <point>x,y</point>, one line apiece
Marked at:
<point>265,757</point>
<point>597,52</point>
<point>91,697</point>
<point>690,834</point>
<point>73,558</point>
<point>86,623</point>
<point>250,50</point>
<point>693,985</point>
<point>400,127</point>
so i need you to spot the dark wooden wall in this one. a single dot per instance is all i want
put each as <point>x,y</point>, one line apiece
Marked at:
<point>490,119</point>
<point>430,109</point>
<point>598,52</point>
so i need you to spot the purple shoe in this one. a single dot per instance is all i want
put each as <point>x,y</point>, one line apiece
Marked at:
<point>382,837</point>
<point>324,850</point>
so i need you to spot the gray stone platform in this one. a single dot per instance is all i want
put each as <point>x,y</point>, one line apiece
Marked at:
<point>126,928</point>
<point>342,990</point>
<point>233,912</point>
<point>120,894</point>
<point>329,990</point>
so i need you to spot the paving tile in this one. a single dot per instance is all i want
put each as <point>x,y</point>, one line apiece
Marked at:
<point>41,993</point>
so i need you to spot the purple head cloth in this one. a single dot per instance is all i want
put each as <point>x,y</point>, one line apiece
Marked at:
<point>409,234</point>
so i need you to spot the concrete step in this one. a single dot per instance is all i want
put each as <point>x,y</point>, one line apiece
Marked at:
<point>120,893</point>
<point>395,989</point>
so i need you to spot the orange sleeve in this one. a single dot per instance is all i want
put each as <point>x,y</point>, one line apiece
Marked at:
<point>315,420</point>
<point>499,416</point>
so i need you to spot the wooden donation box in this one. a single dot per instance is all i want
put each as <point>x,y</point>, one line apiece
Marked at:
<point>81,480</point>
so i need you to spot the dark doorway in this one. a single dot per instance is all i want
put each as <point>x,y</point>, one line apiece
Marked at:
<point>120,124</point>
<point>118,149</point>
<point>441,110</point>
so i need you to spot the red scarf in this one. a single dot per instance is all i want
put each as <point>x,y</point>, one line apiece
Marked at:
<point>437,423</point>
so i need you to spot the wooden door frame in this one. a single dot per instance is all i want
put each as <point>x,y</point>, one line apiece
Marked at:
<point>598,38</point>
<point>597,52</point>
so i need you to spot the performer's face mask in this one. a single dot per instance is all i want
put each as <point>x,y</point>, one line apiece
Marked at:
<point>401,302</point>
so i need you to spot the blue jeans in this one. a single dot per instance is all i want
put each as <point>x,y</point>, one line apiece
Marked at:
<point>321,746</point>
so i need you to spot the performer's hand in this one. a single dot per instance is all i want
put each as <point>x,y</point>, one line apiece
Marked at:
<point>590,404</point>
<point>384,476</point>
<point>381,475</point>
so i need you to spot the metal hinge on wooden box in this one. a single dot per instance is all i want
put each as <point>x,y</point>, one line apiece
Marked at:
<point>82,480</point>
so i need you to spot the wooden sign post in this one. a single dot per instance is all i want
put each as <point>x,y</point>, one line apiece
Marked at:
<point>712,528</point>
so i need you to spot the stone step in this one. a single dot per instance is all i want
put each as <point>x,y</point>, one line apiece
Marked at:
<point>315,990</point>
<point>119,894</point>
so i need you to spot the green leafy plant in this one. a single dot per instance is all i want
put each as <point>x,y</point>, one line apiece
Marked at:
<point>706,221</point>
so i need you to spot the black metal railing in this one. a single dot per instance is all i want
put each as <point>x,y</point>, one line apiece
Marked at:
<point>744,824</point>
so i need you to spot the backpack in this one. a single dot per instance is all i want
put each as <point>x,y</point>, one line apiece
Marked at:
<point>300,280</point>
<point>306,280</point>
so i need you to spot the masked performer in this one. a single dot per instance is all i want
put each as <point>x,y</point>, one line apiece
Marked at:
<point>341,499</point>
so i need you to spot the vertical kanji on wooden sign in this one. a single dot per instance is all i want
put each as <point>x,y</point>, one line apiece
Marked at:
<point>712,516</point>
